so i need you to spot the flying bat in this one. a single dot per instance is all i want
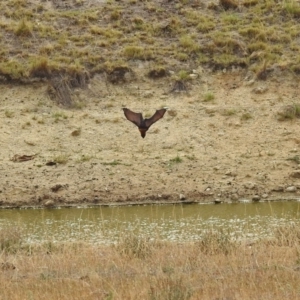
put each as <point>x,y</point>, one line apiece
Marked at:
<point>140,122</point>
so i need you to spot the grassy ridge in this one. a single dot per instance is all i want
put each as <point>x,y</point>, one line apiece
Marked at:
<point>137,268</point>
<point>77,36</point>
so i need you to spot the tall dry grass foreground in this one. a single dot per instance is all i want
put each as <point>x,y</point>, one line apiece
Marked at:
<point>140,268</point>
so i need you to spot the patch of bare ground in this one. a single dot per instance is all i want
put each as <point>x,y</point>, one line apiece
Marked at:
<point>224,139</point>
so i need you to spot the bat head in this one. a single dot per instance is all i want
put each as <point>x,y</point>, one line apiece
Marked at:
<point>143,132</point>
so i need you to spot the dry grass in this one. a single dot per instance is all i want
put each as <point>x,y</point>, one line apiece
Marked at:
<point>73,37</point>
<point>138,268</point>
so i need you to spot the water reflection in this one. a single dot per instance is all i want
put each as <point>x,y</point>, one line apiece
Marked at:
<point>167,222</point>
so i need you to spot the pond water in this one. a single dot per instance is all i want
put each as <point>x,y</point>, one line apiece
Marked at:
<point>166,222</point>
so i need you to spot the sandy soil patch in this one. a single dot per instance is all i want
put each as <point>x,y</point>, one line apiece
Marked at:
<point>228,148</point>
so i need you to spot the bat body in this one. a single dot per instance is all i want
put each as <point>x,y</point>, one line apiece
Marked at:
<point>140,122</point>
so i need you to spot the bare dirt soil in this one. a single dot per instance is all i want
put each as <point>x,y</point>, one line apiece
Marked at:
<point>229,148</point>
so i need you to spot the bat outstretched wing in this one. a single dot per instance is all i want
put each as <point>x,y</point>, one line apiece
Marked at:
<point>158,115</point>
<point>135,118</point>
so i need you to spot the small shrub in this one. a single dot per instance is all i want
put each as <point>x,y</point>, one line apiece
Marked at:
<point>297,110</point>
<point>138,22</point>
<point>10,239</point>
<point>24,28</point>
<point>9,114</point>
<point>228,112</point>
<point>295,158</point>
<point>59,116</point>
<point>189,43</point>
<point>182,56</point>
<point>292,8</point>
<point>40,68</point>
<point>257,46</point>
<point>209,96</point>
<point>225,60</point>
<point>113,163</point>
<point>134,52</point>
<point>183,75</point>
<point>176,160</point>
<point>246,116</point>
<point>191,157</point>
<point>231,18</point>
<point>206,24</point>
<point>216,242</point>
<point>115,15</point>
<point>134,246</point>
